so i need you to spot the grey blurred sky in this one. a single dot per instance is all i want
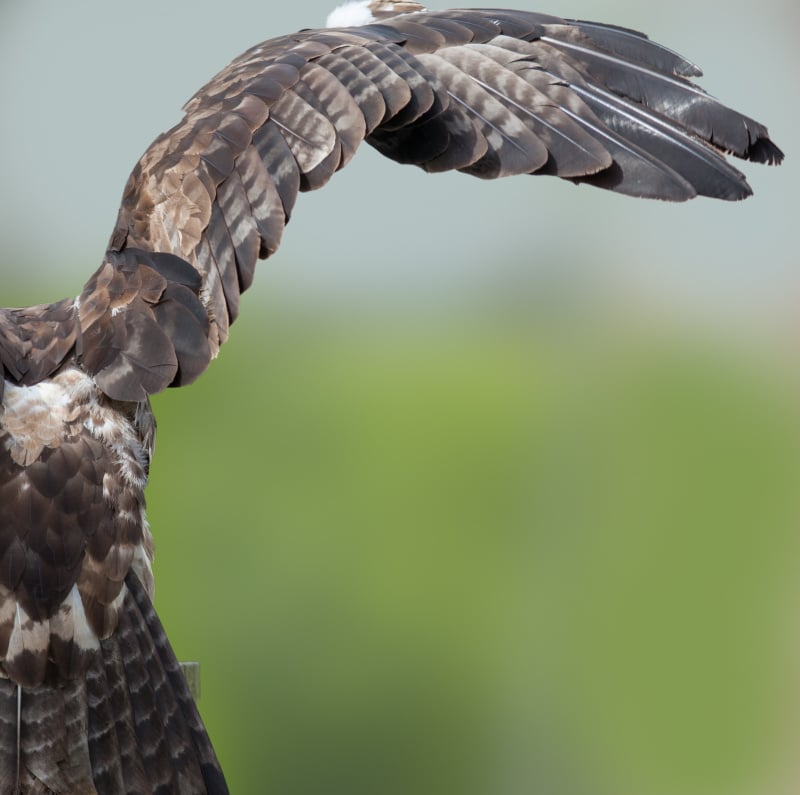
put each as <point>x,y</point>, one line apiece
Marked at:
<point>85,86</point>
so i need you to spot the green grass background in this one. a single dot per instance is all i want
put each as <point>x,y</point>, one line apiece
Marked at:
<point>478,556</point>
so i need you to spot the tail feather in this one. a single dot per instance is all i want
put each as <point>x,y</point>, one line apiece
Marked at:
<point>108,737</point>
<point>8,735</point>
<point>53,745</point>
<point>145,714</point>
<point>129,727</point>
<point>116,758</point>
<point>187,716</point>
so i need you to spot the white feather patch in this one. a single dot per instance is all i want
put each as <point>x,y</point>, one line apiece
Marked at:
<point>70,623</point>
<point>8,610</point>
<point>362,12</point>
<point>39,416</point>
<point>350,14</point>
<point>28,635</point>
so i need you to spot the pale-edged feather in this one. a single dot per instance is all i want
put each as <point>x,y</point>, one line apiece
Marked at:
<point>381,79</point>
<point>310,135</point>
<point>537,104</point>
<point>513,147</point>
<point>223,258</point>
<point>369,101</point>
<point>273,149</point>
<point>424,90</point>
<point>335,101</point>
<point>264,207</point>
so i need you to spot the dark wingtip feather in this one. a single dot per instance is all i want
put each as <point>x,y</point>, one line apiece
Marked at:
<point>636,45</point>
<point>763,150</point>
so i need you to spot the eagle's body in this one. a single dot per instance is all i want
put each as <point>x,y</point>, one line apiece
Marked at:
<point>91,697</point>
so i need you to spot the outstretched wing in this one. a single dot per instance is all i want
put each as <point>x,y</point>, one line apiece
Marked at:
<point>487,92</point>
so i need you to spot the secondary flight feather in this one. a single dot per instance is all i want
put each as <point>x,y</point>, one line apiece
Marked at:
<point>91,696</point>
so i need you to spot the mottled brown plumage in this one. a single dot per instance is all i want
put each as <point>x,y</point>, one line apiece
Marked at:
<point>91,697</point>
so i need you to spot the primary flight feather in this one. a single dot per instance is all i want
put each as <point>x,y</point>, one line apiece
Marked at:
<point>91,696</point>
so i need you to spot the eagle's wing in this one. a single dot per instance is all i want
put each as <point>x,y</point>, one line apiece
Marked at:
<point>487,92</point>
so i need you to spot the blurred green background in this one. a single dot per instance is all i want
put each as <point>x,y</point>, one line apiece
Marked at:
<point>478,557</point>
<point>494,489</point>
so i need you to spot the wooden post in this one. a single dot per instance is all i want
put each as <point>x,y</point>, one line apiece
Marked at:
<point>191,670</point>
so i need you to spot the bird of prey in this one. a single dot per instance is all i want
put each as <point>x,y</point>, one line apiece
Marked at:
<point>92,699</point>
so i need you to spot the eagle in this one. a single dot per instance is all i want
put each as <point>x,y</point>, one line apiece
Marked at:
<point>92,698</point>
